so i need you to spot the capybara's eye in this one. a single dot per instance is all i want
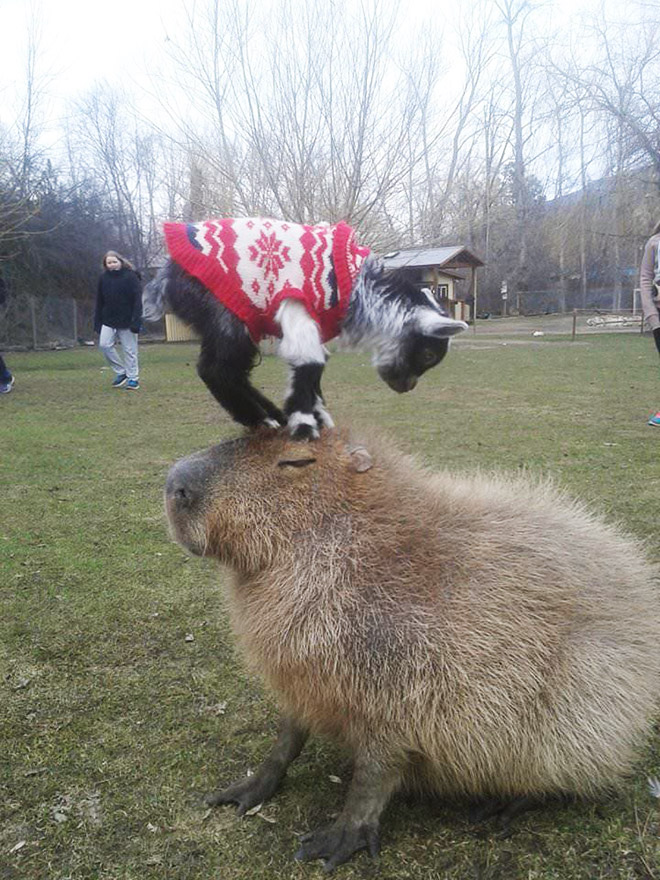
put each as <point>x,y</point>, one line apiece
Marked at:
<point>296,462</point>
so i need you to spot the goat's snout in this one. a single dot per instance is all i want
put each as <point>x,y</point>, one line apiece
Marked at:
<point>404,385</point>
<point>399,382</point>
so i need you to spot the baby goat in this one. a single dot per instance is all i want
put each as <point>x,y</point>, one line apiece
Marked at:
<point>237,280</point>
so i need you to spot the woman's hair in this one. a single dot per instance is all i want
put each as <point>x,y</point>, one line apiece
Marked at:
<point>125,264</point>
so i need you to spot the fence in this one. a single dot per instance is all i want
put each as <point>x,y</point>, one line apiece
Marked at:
<point>53,322</point>
<point>577,322</point>
<point>29,322</point>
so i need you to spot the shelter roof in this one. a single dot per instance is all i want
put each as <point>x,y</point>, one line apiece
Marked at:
<point>455,256</point>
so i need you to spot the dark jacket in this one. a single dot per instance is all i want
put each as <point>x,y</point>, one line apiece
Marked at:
<point>118,301</point>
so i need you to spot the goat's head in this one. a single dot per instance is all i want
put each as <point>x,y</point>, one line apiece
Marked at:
<point>421,338</point>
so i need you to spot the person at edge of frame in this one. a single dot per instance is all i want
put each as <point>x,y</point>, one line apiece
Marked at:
<point>6,377</point>
<point>649,285</point>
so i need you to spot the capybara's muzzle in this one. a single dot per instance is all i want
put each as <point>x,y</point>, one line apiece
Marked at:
<point>184,484</point>
<point>186,490</point>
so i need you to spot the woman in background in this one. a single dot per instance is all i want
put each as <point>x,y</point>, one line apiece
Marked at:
<point>649,285</point>
<point>117,316</point>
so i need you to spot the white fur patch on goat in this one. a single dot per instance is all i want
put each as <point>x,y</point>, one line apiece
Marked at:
<point>386,351</point>
<point>301,338</point>
<point>323,414</point>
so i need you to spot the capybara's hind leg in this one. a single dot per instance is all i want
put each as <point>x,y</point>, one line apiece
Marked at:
<point>357,826</point>
<point>253,790</point>
<point>504,811</point>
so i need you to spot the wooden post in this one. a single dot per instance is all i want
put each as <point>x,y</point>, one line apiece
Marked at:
<point>574,325</point>
<point>75,321</point>
<point>474,303</point>
<point>33,316</point>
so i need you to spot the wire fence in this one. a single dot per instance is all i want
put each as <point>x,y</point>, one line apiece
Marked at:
<point>31,322</point>
<point>577,322</point>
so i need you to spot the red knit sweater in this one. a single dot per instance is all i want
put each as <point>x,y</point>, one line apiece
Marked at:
<point>252,264</point>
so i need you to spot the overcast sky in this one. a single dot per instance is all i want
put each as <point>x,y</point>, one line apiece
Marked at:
<point>80,42</point>
<point>83,41</point>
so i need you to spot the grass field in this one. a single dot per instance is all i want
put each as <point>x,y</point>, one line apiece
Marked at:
<point>122,701</point>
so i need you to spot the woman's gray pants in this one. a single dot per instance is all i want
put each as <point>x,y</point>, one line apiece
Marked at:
<point>129,344</point>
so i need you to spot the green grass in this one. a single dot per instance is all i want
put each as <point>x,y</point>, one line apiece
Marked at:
<point>113,724</point>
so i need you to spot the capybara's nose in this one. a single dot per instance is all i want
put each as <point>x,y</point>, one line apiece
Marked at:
<point>184,484</point>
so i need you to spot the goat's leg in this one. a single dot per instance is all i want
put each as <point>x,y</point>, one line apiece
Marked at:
<point>227,355</point>
<point>323,417</point>
<point>253,790</point>
<point>301,402</point>
<point>226,375</point>
<point>303,350</point>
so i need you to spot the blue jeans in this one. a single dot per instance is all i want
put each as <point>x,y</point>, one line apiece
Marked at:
<point>5,373</point>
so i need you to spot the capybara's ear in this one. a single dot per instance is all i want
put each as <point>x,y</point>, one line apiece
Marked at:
<point>361,461</point>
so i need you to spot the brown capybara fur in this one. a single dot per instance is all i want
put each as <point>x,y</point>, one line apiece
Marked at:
<point>472,635</point>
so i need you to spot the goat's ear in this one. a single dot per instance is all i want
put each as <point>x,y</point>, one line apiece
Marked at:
<point>374,267</point>
<point>361,461</point>
<point>432,323</point>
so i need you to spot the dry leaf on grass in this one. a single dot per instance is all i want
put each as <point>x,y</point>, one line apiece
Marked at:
<point>21,684</point>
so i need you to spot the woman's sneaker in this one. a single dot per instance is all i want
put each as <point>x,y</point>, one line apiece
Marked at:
<point>5,387</point>
<point>132,384</point>
<point>119,380</point>
<point>655,420</point>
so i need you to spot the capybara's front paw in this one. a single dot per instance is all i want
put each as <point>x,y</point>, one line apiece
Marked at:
<point>336,843</point>
<point>246,793</point>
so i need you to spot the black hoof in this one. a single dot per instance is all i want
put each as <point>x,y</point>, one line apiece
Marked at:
<point>304,432</point>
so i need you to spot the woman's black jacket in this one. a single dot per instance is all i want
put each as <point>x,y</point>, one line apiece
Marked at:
<point>118,301</point>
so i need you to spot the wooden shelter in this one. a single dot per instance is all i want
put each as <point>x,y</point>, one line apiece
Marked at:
<point>439,269</point>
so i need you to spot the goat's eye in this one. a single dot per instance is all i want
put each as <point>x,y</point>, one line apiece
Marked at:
<point>429,357</point>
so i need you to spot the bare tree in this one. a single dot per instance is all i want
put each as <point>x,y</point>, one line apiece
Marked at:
<point>624,84</point>
<point>520,49</point>
<point>111,142</point>
<point>23,158</point>
<point>339,125</point>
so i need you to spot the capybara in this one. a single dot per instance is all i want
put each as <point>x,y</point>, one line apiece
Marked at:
<point>472,636</point>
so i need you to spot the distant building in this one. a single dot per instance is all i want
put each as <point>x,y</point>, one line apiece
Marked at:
<point>438,268</point>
